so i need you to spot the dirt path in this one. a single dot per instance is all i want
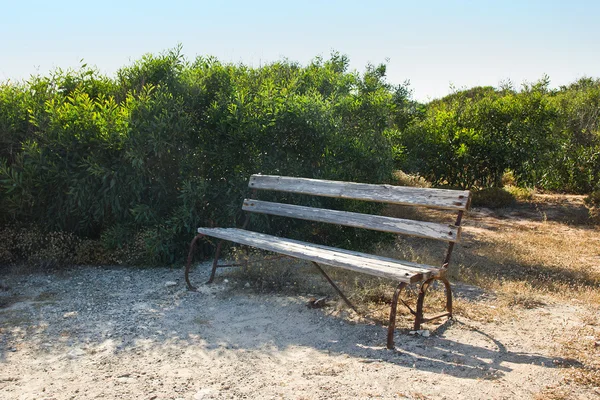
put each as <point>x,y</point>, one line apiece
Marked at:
<point>138,334</point>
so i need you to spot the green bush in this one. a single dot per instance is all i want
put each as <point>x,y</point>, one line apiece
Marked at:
<point>575,158</point>
<point>471,138</point>
<point>592,201</point>
<point>519,193</point>
<point>139,161</point>
<point>492,198</point>
<point>543,138</point>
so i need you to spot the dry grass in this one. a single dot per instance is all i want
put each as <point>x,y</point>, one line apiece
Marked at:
<point>539,252</point>
<point>533,258</point>
<point>401,178</point>
<point>583,344</point>
<point>262,275</point>
<point>538,248</point>
<point>554,393</point>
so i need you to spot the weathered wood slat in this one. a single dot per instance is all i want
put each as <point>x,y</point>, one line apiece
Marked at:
<point>450,233</point>
<point>434,198</point>
<point>354,255</point>
<point>359,262</point>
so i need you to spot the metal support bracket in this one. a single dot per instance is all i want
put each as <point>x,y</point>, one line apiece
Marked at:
<point>419,317</point>
<point>335,287</point>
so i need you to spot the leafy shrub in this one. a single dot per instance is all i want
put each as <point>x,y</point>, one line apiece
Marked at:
<point>575,158</point>
<point>488,137</point>
<point>592,201</point>
<point>414,180</point>
<point>140,161</point>
<point>519,193</point>
<point>36,247</point>
<point>471,138</point>
<point>509,179</point>
<point>493,198</point>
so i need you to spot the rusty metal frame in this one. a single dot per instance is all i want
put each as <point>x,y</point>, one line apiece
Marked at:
<point>393,310</point>
<point>215,265</point>
<point>419,317</point>
<point>188,264</point>
<point>342,295</point>
<point>418,313</point>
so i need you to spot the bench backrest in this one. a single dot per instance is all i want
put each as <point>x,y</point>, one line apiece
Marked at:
<point>434,198</point>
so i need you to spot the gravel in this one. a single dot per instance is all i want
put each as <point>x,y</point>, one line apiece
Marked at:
<point>115,332</point>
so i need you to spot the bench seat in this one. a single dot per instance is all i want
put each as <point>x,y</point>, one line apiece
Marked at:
<point>402,271</point>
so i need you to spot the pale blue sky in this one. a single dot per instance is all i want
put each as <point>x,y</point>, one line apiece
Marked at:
<point>431,43</point>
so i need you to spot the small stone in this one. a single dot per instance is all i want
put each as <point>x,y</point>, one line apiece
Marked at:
<point>126,380</point>
<point>202,393</point>
<point>317,303</point>
<point>70,314</point>
<point>75,353</point>
<point>225,280</point>
<point>170,283</point>
<point>247,285</point>
<point>127,279</point>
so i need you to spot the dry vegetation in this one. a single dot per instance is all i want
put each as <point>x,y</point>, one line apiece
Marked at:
<point>542,251</point>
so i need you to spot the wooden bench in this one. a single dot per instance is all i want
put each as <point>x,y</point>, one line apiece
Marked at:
<point>403,272</point>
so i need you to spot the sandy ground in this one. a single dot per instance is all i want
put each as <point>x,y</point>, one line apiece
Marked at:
<point>123,333</point>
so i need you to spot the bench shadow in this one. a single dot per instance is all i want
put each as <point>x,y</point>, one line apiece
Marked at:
<point>436,354</point>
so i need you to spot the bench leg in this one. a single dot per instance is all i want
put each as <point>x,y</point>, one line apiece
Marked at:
<point>420,302</point>
<point>215,261</point>
<point>419,318</point>
<point>188,264</point>
<point>392,324</point>
<point>190,257</point>
<point>448,297</point>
